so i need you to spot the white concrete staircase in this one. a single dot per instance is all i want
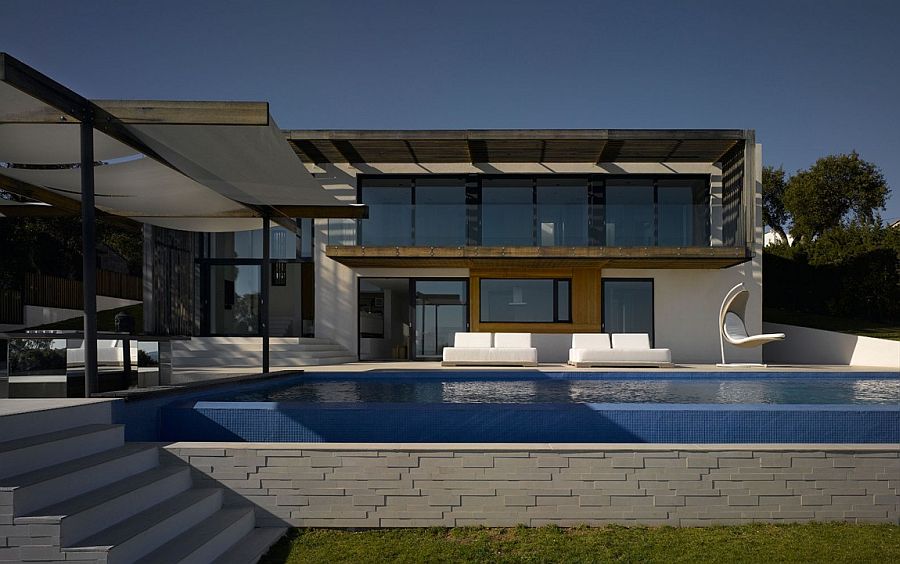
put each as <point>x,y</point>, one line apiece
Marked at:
<point>72,489</point>
<point>246,352</point>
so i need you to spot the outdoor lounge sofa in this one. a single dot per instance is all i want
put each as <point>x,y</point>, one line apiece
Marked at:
<point>479,349</point>
<point>628,349</point>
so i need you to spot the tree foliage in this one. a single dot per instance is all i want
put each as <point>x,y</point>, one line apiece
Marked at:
<point>835,191</point>
<point>775,216</point>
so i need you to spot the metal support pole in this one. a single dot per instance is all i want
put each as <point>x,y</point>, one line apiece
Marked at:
<point>264,294</point>
<point>89,255</point>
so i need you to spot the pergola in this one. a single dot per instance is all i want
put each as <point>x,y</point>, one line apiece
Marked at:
<point>194,166</point>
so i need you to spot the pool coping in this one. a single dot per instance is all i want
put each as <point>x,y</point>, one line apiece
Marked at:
<point>541,447</point>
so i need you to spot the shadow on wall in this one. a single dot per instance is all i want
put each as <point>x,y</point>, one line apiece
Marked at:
<point>804,345</point>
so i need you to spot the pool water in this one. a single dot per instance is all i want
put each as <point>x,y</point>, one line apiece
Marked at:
<point>409,389</point>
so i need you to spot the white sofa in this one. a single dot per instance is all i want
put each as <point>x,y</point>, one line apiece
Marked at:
<point>628,349</point>
<point>480,349</point>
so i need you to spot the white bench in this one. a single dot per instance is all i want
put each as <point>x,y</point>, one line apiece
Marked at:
<point>480,349</point>
<point>628,349</point>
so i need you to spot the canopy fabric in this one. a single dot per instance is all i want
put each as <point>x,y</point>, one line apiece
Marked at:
<point>205,177</point>
<point>247,163</point>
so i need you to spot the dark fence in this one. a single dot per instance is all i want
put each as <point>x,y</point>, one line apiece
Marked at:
<point>50,291</point>
<point>11,307</point>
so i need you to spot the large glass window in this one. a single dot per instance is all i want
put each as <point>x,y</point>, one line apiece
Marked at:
<point>507,213</point>
<point>536,300</point>
<point>440,212</point>
<point>629,213</point>
<point>283,244</point>
<point>390,213</point>
<point>628,306</point>
<point>562,207</point>
<point>234,299</point>
<point>683,213</point>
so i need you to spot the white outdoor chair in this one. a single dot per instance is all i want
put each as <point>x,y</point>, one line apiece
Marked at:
<point>732,327</point>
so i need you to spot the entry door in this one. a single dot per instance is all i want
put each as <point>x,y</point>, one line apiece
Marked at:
<point>441,311</point>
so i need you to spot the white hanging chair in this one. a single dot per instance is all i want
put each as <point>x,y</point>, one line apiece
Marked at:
<point>732,327</point>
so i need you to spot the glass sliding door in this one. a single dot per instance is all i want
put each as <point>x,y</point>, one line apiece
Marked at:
<point>384,318</point>
<point>507,213</point>
<point>440,212</point>
<point>390,212</point>
<point>683,208</point>
<point>628,306</point>
<point>562,207</point>
<point>234,299</point>
<point>441,311</point>
<point>629,213</point>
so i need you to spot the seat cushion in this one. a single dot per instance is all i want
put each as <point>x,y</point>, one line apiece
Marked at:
<point>467,354</point>
<point>631,341</point>
<point>622,356</point>
<point>514,355</point>
<point>590,341</point>
<point>512,340</point>
<point>472,340</point>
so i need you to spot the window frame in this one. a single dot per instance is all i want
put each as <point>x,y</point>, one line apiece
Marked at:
<point>555,298</point>
<point>652,282</point>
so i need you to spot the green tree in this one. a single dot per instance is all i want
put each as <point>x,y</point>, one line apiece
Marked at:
<point>775,216</point>
<point>833,192</point>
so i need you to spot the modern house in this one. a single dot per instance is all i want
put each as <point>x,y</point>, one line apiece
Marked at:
<point>381,245</point>
<point>550,232</point>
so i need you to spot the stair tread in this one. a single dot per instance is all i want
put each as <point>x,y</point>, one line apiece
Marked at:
<point>190,540</point>
<point>34,440</point>
<point>143,521</point>
<point>253,546</point>
<point>96,497</point>
<point>57,470</point>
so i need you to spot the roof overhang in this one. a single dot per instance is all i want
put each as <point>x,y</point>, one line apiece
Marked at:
<point>539,257</point>
<point>206,166</point>
<point>317,147</point>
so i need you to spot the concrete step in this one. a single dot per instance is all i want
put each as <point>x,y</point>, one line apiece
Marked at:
<point>205,542</point>
<point>51,485</point>
<point>49,415</point>
<point>252,547</point>
<point>89,513</point>
<point>319,362</point>
<point>39,451</point>
<point>138,536</point>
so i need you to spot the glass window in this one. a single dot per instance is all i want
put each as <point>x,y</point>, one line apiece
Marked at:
<point>523,300</point>
<point>683,213</point>
<point>628,306</point>
<point>234,299</point>
<point>390,213</point>
<point>283,244</point>
<point>307,237</point>
<point>562,212</point>
<point>441,311</point>
<point>629,213</point>
<point>563,305</point>
<point>507,213</point>
<point>440,212</point>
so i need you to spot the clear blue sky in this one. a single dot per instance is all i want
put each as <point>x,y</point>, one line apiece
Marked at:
<point>812,77</point>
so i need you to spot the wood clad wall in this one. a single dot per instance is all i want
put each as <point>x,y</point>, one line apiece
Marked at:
<point>585,300</point>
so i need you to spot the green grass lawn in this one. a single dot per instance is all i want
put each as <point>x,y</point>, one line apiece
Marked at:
<point>839,324</point>
<point>814,542</point>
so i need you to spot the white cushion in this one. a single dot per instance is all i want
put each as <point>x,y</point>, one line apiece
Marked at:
<point>590,341</point>
<point>631,341</point>
<point>621,357</point>
<point>467,354</point>
<point>512,340</point>
<point>472,340</point>
<point>510,355</point>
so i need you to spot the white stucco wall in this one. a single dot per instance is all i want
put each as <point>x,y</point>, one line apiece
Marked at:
<point>803,345</point>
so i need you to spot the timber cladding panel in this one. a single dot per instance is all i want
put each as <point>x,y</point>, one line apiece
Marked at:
<point>585,300</point>
<point>361,485</point>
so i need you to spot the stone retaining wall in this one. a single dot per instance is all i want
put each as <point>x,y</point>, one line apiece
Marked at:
<point>334,485</point>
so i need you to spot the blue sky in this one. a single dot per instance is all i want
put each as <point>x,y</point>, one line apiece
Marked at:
<point>812,77</point>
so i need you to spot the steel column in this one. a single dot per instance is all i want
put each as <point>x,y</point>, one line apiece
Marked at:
<point>89,254</point>
<point>264,294</point>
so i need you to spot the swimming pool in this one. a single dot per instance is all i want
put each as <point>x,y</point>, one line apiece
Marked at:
<point>531,406</point>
